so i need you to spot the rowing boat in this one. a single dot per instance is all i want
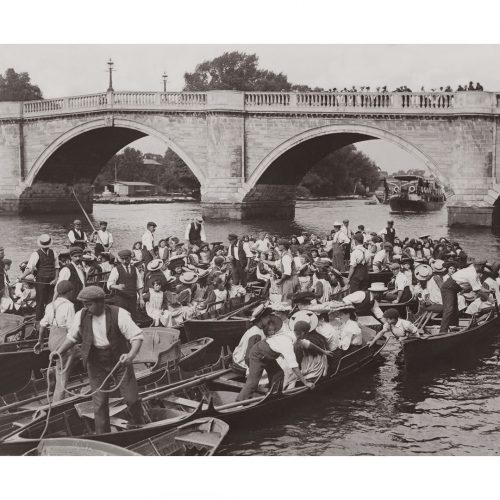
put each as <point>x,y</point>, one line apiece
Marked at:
<point>200,437</point>
<point>452,344</point>
<point>211,395</point>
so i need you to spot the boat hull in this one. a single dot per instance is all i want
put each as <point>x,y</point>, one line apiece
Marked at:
<point>449,345</point>
<point>414,206</point>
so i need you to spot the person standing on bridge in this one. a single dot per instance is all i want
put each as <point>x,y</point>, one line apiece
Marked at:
<point>148,244</point>
<point>45,266</point>
<point>77,236</point>
<point>195,231</point>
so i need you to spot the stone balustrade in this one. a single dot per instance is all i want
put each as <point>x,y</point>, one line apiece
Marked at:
<point>255,102</point>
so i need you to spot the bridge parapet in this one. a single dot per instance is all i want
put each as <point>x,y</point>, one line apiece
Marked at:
<point>398,103</point>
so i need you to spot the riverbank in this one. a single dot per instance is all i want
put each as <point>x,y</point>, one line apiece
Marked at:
<point>126,200</point>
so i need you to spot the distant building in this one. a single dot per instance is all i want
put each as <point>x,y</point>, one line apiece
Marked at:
<point>123,188</point>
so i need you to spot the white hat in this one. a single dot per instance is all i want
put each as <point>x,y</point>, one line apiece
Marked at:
<point>336,223</point>
<point>377,286</point>
<point>423,272</point>
<point>304,315</point>
<point>188,278</point>
<point>438,266</point>
<point>44,241</point>
<point>155,264</point>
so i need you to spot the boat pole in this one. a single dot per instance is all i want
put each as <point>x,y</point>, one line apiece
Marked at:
<point>86,216</point>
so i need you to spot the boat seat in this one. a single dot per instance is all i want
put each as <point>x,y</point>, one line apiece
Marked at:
<point>205,439</point>
<point>182,401</point>
<point>86,409</point>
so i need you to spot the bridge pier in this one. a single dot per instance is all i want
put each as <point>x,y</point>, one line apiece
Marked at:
<point>470,215</point>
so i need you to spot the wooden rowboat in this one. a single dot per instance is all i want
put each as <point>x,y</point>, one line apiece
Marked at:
<point>455,343</point>
<point>200,437</point>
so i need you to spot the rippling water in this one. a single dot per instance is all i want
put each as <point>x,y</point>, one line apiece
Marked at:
<point>448,409</point>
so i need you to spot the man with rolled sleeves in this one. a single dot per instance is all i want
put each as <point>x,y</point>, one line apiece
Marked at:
<point>75,274</point>
<point>108,336</point>
<point>126,284</point>
<point>102,238</point>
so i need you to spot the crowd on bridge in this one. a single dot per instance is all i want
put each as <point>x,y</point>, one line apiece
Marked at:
<point>404,88</point>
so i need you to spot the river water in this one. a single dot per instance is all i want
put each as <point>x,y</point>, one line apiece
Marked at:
<point>448,409</point>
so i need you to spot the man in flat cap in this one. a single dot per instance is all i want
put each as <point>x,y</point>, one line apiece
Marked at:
<point>45,266</point>
<point>102,238</point>
<point>148,243</point>
<point>238,259</point>
<point>77,236</point>
<point>74,273</point>
<point>108,336</point>
<point>126,284</point>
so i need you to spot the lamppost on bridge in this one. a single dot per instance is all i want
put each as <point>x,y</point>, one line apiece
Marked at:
<point>165,77</point>
<point>110,69</point>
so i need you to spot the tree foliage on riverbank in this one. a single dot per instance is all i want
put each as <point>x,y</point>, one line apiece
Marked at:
<point>18,87</point>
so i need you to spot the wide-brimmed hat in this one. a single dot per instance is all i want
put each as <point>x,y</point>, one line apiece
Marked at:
<point>88,258</point>
<point>258,312</point>
<point>176,262</point>
<point>377,286</point>
<point>337,306</point>
<point>203,273</point>
<point>44,241</point>
<point>155,265</point>
<point>188,278</point>
<point>337,223</point>
<point>280,306</point>
<point>438,266</point>
<point>423,272</point>
<point>303,297</point>
<point>304,315</point>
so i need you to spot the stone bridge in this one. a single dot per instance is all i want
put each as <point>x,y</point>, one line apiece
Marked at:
<point>248,150</point>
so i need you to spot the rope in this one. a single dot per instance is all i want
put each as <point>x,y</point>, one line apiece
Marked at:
<point>99,389</point>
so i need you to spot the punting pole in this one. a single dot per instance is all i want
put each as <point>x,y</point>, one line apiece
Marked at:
<point>86,215</point>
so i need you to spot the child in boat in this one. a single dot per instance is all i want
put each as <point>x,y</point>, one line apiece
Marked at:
<point>162,250</point>
<point>398,327</point>
<point>156,305</point>
<point>137,251</point>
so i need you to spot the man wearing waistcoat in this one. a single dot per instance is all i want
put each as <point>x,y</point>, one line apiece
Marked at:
<point>126,284</point>
<point>108,336</point>
<point>195,231</point>
<point>238,260</point>
<point>77,236</point>
<point>45,266</point>
<point>75,274</point>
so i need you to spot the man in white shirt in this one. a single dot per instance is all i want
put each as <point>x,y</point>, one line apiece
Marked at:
<point>264,355</point>
<point>148,243</point>
<point>358,270</point>
<point>398,327</point>
<point>195,231</point>
<point>365,302</point>
<point>465,279</point>
<point>102,238</point>
<point>59,316</point>
<point>77,236</point>
<point>383,258</point>
<point>74,273</point>
<point>109,338</point>
<point>262,244</point>
<point>402,286</point>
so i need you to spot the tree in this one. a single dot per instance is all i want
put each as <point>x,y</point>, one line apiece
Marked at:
<point>18,87</point>
<point>235,71</point>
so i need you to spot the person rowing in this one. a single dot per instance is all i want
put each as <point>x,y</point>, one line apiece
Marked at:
<point>367,302</point>
<point>399,328</point>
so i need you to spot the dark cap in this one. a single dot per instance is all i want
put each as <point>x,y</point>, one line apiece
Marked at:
<point>64,287</point>
<point>125,254</point>
<point>152,224</point>
<point>232,236</point>
<point>75,251</point>
<point>91,293</point>
<point>103,223</point>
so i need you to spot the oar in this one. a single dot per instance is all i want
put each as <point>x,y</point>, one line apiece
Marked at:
<point>86,215</point>
<point>153,395</point>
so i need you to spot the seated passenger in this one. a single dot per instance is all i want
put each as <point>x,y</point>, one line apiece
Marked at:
<point>402,286</point>
<point>264,355</point>
<point>398,327</point>
<point>483,301</point>
<point>350,331</point>
<point>310,350</point>
<point>383,258</point>
<point>329,332</point>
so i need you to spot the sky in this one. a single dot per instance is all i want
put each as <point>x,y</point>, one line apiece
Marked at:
<point>62,70</point>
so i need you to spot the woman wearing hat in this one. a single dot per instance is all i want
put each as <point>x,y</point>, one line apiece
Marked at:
<point>155,273</point>
<point>427,289</point>
<point>288,281</point>
<point>59,316</point>
<point>45,266</point>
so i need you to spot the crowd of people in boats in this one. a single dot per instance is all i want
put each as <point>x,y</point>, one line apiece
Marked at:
<point>318,287</point>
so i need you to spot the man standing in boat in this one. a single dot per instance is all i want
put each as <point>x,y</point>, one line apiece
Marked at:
<point>77,236</point>
<point>75,274</point>
<point>108,338</point>
<point>389,233</point>
<point>45,266</point>
<point>238,259</point>
<point>195,231</point>
<point>358,271</point>
<point>465,279</point>
<point>102,238</point>
<point>148,243</point>
<point>126,284</point>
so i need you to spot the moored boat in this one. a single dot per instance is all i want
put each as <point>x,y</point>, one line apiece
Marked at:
<point>454,343</point>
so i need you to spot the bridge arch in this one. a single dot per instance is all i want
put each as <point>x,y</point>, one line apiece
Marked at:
<point>137,130</point>
<point>347,133</point>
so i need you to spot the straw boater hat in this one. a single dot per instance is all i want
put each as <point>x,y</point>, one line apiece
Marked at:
<point>258,312</point>
<point>188,278</point>
<point>377,286</point>
<point>155,265</point>
<point>438,266</point>
<point>304,315</point>
<point>423,272</point>
<point>44,241</point>
<point>337,306</point>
